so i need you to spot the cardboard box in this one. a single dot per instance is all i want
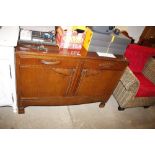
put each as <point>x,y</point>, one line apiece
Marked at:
<point>70,39</point>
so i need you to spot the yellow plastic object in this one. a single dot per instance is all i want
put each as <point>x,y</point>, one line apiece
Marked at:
<point>113,38</point>
<point>79,27</point>
<point>88,37</point>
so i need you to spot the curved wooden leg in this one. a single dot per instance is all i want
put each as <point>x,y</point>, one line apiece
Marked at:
<point>21,110</point>
<point>102,105</point>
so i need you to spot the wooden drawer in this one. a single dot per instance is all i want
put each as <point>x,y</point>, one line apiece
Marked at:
<point>49,61</point>
<point>104,64</point>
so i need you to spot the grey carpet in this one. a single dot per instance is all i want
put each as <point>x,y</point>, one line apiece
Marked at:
<point>86,116</point>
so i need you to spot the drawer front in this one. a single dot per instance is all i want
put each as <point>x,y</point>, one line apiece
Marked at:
<point>49,61</point>
<point>104,64</point>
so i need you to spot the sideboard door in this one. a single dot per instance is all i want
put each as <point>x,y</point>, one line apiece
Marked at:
<point>95,82</point>
<point>41,81</point>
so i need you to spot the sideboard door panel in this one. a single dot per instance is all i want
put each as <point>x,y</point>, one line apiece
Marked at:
<point>97,82</point>
<point>44,81</point>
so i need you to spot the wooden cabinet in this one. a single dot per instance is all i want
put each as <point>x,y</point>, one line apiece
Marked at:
<point>48,78</point>
<point>147,38</point>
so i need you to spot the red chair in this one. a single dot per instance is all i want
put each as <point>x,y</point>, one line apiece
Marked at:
<point>137,85</point>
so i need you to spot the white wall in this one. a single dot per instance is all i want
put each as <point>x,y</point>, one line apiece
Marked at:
<point>133,31</point>
<point>9,35</point>
<point>8,39</point>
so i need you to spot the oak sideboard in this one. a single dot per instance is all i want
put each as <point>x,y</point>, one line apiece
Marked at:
<point>44,77</point>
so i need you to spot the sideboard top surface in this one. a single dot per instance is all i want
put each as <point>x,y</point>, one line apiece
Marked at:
<point>32,49</point>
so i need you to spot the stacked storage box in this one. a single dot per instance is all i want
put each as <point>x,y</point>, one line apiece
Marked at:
<point>108,43</point>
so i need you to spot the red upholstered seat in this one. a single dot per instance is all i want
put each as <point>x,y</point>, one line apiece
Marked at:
<point>137,57</point>
<point>146,88</point>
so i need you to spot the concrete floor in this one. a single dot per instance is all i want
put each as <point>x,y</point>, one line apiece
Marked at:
<point>88,116</point>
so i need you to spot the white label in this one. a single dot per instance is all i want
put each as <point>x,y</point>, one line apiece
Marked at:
<point>106,55</point>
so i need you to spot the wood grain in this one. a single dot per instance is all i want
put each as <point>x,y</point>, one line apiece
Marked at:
<point>42,81</point>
